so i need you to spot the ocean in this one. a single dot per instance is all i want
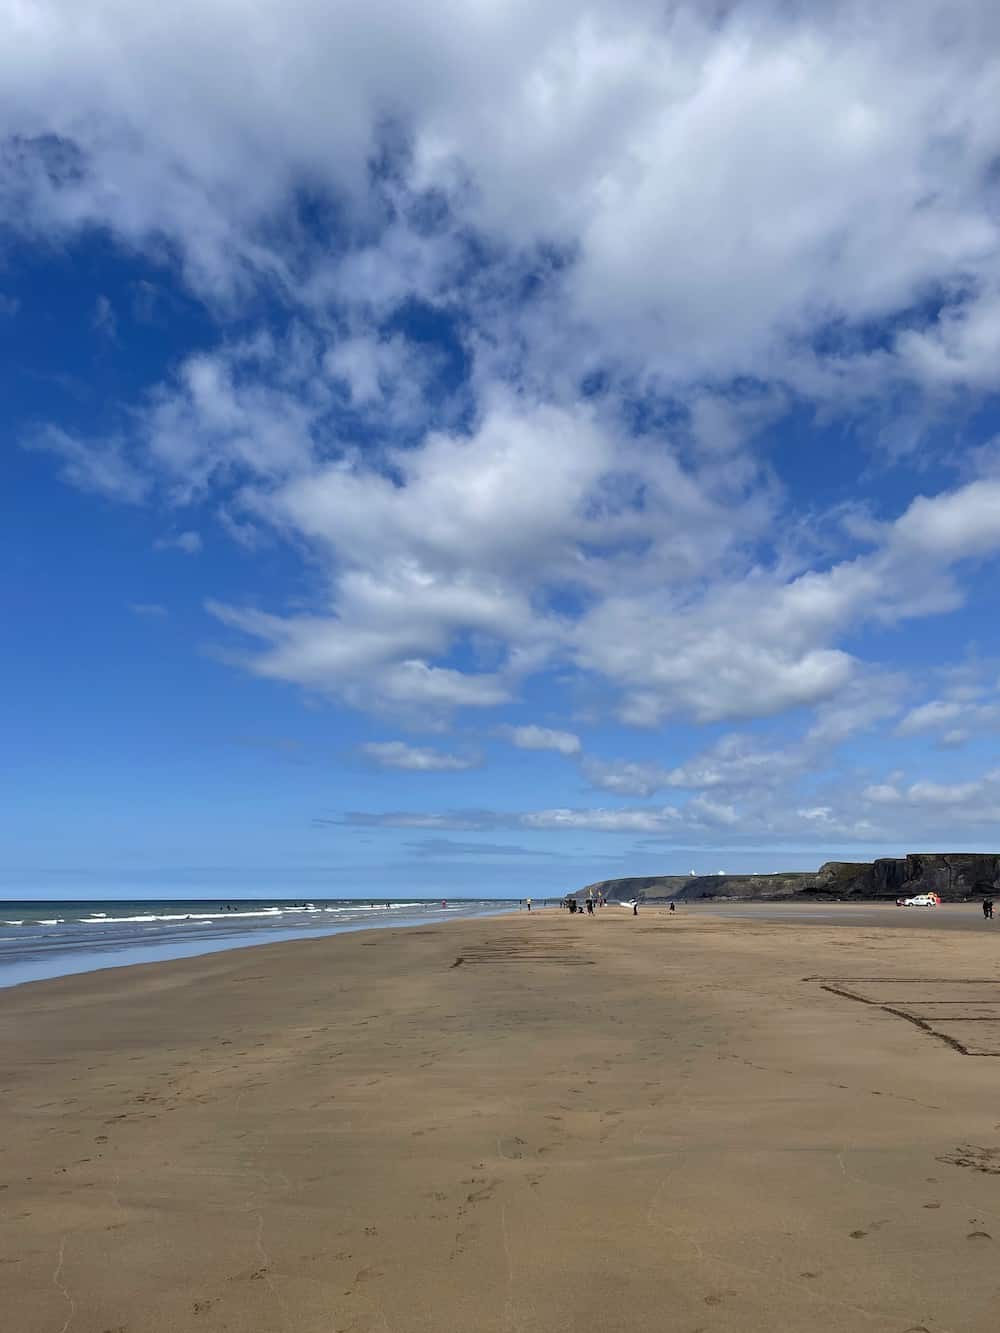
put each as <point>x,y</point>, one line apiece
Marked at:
<point>51,939</point>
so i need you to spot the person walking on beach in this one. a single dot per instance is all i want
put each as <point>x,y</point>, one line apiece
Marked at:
<point>635,907</point>
<point>988,908</point>
<point>672,907</point>
<point>528,903</point>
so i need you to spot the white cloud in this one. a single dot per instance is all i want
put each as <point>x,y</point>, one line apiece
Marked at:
<point>415,759</point>
<point>942,793</point>
<point>188,542</point>
<point>953,526</point>
<point>929,716</point>
<point>104,320</point>
<point>151,610</point>
<point>602,821</point>
<point>968,706</point>
<point>882,793</point>
<point>531,737</point>
<point>367,665</point>
<point>698,198</point>
<point>626,777</point>
<point>737,762</point>
<point>887,817</point>
<point>726,179</point>
<point>616,559</point>
<point>103,468</point>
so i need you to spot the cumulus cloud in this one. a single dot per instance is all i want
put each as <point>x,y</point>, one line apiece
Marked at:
<point>750,170</point>
<point>618,559</point>
<point>415,758</point>
<point>642,233</point>
<point>531,737</point>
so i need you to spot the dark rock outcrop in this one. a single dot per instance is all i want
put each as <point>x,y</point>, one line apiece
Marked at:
<point>953,875</point>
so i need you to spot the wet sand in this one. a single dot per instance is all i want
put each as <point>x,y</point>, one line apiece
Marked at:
<point>512,1125</point>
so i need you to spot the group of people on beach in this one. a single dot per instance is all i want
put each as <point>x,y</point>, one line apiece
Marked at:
<point>592,902</point>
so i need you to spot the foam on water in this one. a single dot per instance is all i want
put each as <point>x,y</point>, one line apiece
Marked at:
<point>55,939</point>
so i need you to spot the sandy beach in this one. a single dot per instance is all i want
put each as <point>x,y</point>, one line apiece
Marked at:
<point>519,1124</point>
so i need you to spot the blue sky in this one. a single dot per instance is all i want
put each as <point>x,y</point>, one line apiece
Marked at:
<point>486,451</point>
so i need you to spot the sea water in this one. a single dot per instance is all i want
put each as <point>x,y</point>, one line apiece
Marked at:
<point>51,939</point>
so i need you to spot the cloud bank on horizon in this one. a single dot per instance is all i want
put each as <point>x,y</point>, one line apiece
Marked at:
<point>614,385</point>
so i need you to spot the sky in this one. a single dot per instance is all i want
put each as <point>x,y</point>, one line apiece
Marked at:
<point>485,448</point>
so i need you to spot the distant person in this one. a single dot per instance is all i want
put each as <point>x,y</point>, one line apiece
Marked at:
<point>988,908</point>
<point>590,907</point>
<point>528,903</point>
<point>635,907</point>
<point>672,907</point>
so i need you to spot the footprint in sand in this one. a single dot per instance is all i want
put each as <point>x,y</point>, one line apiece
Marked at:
<point>485,1192</point>
<point>984,1160</point>
<point>872,1227</point>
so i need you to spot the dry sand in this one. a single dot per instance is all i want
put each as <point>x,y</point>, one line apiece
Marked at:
<point>624,1123</point>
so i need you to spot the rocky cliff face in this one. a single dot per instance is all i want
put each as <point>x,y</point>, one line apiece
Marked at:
<point>953,875</point>
<point>690,887</point>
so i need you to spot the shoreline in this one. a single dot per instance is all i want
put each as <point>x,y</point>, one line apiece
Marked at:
<point>947,916</point>
<point>619,1123</point>
<point>52,961</point>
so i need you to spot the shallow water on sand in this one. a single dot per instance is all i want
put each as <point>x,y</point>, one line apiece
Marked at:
<point>51,939</point>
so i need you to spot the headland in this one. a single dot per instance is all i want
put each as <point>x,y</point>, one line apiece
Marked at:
<point>953,876</point>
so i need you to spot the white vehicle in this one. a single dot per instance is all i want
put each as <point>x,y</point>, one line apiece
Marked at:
<point>921,900</point>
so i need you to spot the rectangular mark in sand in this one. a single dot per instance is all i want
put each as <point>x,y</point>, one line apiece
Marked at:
<point>522,951</point>
<point>960,1011</point>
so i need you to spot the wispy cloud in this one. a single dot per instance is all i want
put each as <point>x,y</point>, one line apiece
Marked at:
<point>104,468</point>
<point>104,321</point>
<point>416,758</point>
<point>189,542</point>
<point>447,847</point>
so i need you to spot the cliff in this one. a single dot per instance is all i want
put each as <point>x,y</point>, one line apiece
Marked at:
<point>953,875</point>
